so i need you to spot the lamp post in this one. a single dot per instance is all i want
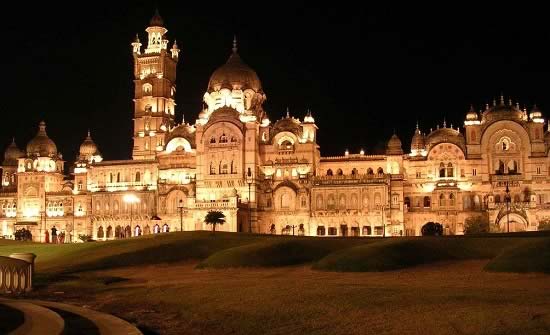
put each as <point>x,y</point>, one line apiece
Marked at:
<point>249,181</point>
<point>507,199</point>
<point>180,208</point>
<point>131,199</point>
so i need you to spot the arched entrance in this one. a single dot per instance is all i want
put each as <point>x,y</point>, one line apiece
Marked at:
<point>137,231</point>
<point>156,229</point>
<point>146,230</point>
<point>127,231</point>
<point>516,222</point>
<point>100,232</point>
<point>109,232</point>
<point>165,228</point>
<point>118,232</point>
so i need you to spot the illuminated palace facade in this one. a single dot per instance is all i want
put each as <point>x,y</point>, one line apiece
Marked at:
<point>269,176</point>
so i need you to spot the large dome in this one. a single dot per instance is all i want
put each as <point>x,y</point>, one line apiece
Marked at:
<point>445,135</point>
<point>88,148</point>
<point>12,153</point>
<point>234,74</point>
<point>394,146</point>
<point>41,144</point>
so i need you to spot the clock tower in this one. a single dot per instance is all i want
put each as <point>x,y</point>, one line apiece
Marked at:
<point>155,87</point>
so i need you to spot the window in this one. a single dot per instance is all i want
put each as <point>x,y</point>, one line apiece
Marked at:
<point>408,202</point>
<point>212,168</point>
<point>148,108</point>
<point>441,170</point>
<point>321,231</point>
<point>332,231</point>
<point>441,200</point>
<point>223,138</point>
<point>285,200</point>
<point>538,169</point>
<point>354,172</point>
<point>497,199</point>
<point>512,167</point>
<point>450,170</point>
<point>367,230</point>
<point>380,171</point>
<point>370,172</point>
<point>80,185</point>
<point>224,168</point>
<point>500,169</point>
<point>303,201</point>
<point>340,172</point>
<point>147,89</point>
<point>474,172</point>
<point>268,202</point>
<point>451,199</point>
<point>418,174</point>
<point>213,140</point>
<point>138,176</point>
<point>118,177</point>
<point>462,173</point>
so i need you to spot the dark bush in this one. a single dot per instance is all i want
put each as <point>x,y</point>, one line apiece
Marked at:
<point>432,229</point>
<point>23,234</point>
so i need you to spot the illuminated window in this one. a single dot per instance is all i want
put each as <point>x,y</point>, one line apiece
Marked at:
<point>138,177</point>
<point>304,201</point>
<point>147,89</point>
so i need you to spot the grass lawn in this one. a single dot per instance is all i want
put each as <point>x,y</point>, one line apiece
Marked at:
<point>195,283</point>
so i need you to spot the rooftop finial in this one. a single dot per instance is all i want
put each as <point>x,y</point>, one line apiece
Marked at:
<point>287,113</point>
<point>417,125</point>
<point>137,38</point>
<point>234,44</point>
<point>510,102</point>
<point>501,98</point>
<point>89,135</point>
<point>444,123</point>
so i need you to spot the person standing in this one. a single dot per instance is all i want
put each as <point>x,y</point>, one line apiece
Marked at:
<point>54,234</point>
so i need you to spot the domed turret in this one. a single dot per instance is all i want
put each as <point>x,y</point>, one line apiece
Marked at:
<point>234,74</point>
<point>41,144</point>
<point>156,20</point>
<point>472,115</point>
<point>88,149</point>
<point>12,154</point>
<point>394,146</point>
<point>418,144</point>
<point>536,115</point>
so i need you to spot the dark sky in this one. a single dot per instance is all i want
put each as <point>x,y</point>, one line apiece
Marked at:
<point>363,71</point>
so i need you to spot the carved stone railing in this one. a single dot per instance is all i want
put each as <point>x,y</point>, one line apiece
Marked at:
<point>16,272</point>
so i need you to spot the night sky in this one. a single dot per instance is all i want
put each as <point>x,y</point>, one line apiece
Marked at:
<point>364,72</point>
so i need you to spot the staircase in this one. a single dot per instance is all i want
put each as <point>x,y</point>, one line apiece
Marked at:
<point>53,318</point>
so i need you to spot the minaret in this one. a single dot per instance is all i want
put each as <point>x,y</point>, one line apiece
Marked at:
<point>155,87</point>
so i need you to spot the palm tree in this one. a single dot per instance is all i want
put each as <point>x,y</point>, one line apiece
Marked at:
<point>214,217</point>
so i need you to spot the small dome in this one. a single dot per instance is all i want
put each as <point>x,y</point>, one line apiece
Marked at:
<point>417,142</point>
<point>234,74</point>
<point>12,153</point>
<point>472,115</point>
<point>41,144</point>
<point>156,20</point>
<point>535,113</point>
<point>88,148</point>
<point>394,146</point>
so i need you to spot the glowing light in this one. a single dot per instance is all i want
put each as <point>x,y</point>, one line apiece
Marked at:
<point>130,198</point>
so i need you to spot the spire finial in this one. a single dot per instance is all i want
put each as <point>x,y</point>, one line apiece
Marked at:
<point>287,113</point>
<point>89,134</point>
<point>444,123</point>
<point>501,98</point>
<point>234,44</point>
<point>417,125</point>
<point>137,38</point>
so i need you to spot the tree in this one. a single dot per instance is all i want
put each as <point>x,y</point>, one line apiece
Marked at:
<point>23,234</point>
<point>476,225</point>
<point>432,229</point>
<point>214,217</point>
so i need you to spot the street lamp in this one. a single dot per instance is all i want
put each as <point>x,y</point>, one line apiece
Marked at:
<point>507,199</point>
<point>131,199</point>
<point>249,181</point>
<point>180,207</point>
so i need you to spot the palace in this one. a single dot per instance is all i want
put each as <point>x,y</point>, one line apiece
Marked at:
<point>269,176</point>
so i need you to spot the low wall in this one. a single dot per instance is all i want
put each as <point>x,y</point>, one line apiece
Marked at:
<point>16,273</point>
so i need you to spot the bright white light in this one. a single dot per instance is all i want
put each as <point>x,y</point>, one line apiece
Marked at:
<point>130,198</point>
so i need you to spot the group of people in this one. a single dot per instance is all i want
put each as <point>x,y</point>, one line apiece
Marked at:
<point>56,238</point>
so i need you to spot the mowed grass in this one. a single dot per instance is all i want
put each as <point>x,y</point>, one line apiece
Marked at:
<point>528,256</point>
<point>394,254</point>
<point>278,252</point>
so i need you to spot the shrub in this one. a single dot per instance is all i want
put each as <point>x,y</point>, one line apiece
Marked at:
<point>476,225</point>
<point>23,234</point>
<point>432,229</point>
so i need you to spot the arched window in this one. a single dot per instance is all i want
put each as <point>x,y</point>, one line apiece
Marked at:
<point>109,232</point>
<point>331,203</point>
<point>268,202</point>
<point>138,177</point>
<point>223,138</point>
<point>224,168</point>
<point>450,170</point>
<point>380,171</point>
<point>303,201</point>
<point>340,172</point>
<point>408,202</point>
<point>213,140</point>
<point>233,139</point>
<point>212,168</point>
<point>343,201</point>
<point>427,202</point>
<point>354,172</point>
<point>147,89</point>
<point>165,228</point>
<point>286,145</point>
<point>111,177</point>
<point>370,172</point>
<point>512,167</point>
<point>500,169</point>
<point>451,199</point>
<point>148,108</point>
<point>441,200</point>
<point>329,172</point>
<point>441,170</point>
<point>118,177</point>
<point>100,232</point>
<point>319,202</point>
<point>517,198</point>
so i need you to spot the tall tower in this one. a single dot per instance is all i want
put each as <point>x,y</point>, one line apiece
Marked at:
<point>155,87</point>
